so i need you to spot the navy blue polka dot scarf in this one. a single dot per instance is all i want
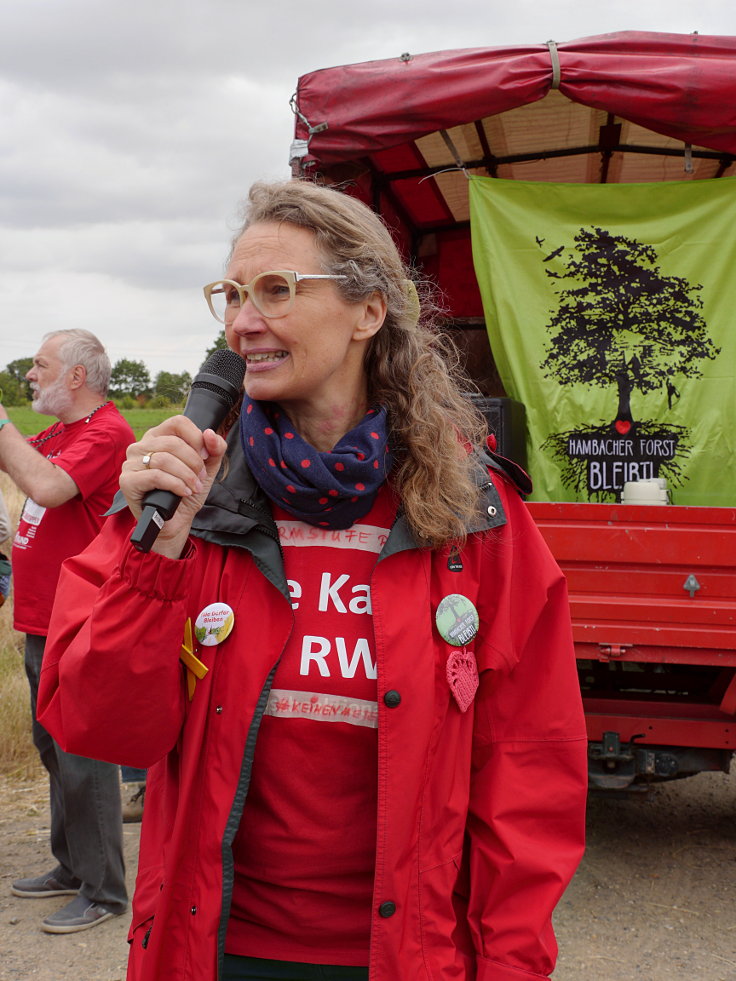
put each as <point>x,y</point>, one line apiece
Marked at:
<point>330,490</point>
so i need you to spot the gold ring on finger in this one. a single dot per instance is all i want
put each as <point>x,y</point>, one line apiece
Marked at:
<point>146,461</point>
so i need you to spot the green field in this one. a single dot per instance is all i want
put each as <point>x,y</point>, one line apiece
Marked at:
<point>30,422</point>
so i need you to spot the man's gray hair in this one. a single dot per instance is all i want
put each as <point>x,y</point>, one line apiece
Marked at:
<point>82,347</point>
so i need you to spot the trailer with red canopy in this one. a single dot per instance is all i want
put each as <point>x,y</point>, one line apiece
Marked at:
<point>653,588</point>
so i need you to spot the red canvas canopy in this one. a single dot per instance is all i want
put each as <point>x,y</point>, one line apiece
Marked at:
<point>404,133</point>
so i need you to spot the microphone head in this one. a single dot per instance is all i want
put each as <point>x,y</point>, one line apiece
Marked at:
<point>223,372</point>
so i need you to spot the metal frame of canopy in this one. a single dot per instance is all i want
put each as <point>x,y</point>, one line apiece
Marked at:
<point>404,134</point>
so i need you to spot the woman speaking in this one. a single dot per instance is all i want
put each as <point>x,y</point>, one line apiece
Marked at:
<point>347,658</point>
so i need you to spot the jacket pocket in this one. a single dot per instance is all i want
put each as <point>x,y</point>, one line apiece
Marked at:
<point>145,903</point>
<point>140,934</point>
<point>138,941</point>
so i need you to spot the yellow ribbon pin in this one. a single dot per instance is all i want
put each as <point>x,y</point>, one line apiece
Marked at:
<point>195,668</point>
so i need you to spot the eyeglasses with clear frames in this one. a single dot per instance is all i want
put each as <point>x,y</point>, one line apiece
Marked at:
<point>272,293</point>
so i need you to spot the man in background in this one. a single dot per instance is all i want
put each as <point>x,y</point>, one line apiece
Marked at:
<point>4,563</point>
<point>4,521</point>
<point>69,473</point>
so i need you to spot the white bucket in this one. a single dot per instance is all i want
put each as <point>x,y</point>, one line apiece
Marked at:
<point>653,491</point>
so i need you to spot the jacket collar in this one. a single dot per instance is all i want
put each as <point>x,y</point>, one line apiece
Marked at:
<point>490,512</point>
<point>236,513</point>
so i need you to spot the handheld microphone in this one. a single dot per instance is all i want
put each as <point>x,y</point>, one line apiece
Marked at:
<point>214,391</point>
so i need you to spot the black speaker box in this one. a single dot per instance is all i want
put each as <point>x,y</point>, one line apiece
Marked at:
<point>507,421</point>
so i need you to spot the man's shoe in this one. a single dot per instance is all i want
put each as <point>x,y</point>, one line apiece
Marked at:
<point>51,884</point>
<point>132,797</point>
<point>79,914</point>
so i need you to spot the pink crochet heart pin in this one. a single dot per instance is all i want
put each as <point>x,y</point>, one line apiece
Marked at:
<point>462,676</point>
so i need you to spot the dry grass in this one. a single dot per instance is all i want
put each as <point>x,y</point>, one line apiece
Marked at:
<point>18,756</point>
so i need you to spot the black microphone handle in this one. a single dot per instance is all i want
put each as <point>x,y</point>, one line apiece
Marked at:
<point>210,399</point>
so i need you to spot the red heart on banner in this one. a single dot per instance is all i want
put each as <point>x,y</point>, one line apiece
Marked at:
<point>622,426</point>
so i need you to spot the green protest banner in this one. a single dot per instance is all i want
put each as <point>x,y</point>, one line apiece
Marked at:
<point>611,313</point>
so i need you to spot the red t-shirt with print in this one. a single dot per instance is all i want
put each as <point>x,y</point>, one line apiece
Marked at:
<point>92,452</point>
<point>305,851</point>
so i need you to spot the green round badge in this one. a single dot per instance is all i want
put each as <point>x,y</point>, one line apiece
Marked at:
<point>457,620</point>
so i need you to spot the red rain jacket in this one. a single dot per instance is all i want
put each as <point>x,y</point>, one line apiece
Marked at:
<point>480,813</point>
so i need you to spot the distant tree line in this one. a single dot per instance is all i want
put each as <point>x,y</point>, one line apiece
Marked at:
<point>130,382</point>
<point>131,385</point>
<point>15,388</point>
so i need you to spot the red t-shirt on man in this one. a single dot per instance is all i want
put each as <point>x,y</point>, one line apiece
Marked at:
<point>92,453</point>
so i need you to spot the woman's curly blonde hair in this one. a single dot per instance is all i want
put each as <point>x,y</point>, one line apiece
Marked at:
<point>411,368</point>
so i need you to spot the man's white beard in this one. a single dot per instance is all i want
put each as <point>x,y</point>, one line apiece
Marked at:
<point>52,401</point>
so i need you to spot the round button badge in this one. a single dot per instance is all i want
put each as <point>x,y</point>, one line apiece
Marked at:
<point>457,620</point>
<point>214,623</point>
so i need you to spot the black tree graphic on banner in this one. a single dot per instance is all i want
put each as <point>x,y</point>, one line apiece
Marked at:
<point>622,324</point>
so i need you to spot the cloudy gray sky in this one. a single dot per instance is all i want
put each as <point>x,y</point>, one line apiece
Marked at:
<point>131,131</point>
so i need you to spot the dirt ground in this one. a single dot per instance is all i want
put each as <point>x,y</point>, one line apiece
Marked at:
<point>653,899</point>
